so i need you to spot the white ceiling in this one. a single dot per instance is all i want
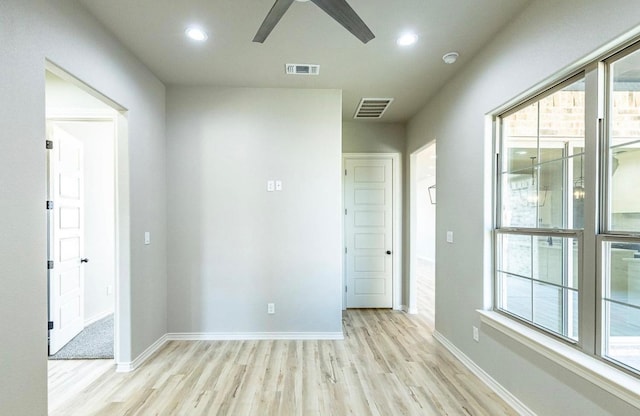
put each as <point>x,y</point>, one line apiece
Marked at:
<point>154,31</point>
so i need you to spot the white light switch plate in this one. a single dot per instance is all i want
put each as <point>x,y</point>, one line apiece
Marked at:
<point>449,236</point>
<point>147,237</point>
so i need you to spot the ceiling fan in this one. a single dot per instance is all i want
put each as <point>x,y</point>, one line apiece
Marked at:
<point>339,10</point>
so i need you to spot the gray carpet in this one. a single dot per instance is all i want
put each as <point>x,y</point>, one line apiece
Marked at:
<point>94,342</point>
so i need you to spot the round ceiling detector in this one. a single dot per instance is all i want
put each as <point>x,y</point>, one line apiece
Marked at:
<point>450,57</point>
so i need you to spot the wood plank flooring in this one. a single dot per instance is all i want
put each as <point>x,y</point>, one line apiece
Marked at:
<point>388,364</point>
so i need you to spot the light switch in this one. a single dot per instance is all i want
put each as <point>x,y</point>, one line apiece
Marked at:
<point>271,186</point>
<point>147,237</point>
<point>449,236</point>
<point>278,185</point>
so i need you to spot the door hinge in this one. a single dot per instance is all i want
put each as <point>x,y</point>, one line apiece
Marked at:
<point>50,264</point>
<point>50,325</point>
<point>49,204</point>
<point>345,250</point>
<point>345,172</point>
<point>345,211</point>
<point>345,289</point>
<point>49,144</point>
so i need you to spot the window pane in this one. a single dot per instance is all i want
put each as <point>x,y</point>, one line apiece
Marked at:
<point>520,138</point>
<point>515,254</point>
<point>624,184</point>
<point>622,301</point>
<point>515,295</point>
<point>622,282</point>
<point>624,107</point>
<point>519,194</point>
<point>549,260</point>
<point>623,340</point>
<point>551,195</point>
<point>562,121</point>
<point>624,142</point>
<point>548,307</point>
<point>573,315</point>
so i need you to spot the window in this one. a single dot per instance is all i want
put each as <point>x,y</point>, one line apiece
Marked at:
<point>541,209</point>
<point>567,236</point>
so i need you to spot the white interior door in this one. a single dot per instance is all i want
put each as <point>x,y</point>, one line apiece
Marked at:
<point>66,279</point>
<point>368,199</point>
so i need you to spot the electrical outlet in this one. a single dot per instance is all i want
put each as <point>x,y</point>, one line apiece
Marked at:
<point>271,308</point>
<point>476,334</point>
<point>271,186</point>
<point>278,185</point>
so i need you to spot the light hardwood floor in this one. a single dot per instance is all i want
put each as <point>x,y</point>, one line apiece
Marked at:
<point>388,364</point>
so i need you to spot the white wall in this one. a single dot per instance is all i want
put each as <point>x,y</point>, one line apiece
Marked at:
<point>234,246</point>
<point>30,32</point>
<point>373,137</point>
<point>545,38</point>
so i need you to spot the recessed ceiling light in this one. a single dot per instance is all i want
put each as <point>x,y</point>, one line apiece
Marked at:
<point>522,152</point>
<point>451,57</point>
<point>407,39</point>
<point>196,33</point>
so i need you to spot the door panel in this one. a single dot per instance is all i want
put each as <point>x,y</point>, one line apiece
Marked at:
<point>368,192</point>
<point>66,279</point>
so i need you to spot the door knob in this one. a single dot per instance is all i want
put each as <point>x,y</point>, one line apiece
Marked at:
<point>85,260</point>
<point>388,251</point>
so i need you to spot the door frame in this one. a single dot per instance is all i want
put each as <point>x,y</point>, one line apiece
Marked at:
<point>122,278</point>
<point>396,273</point>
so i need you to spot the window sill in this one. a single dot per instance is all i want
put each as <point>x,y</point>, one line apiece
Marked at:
<point>622,385</point>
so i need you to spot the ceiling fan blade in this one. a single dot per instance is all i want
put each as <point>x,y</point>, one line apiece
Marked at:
<point>272,19</point>
<point>342,13</point>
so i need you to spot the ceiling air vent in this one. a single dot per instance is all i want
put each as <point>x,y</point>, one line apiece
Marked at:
<point>302,69</point>
<point>370,108</point>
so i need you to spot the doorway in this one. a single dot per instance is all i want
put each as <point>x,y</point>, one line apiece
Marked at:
<point>372,255</point>
<point>422,232</point>
<point>87,238</point>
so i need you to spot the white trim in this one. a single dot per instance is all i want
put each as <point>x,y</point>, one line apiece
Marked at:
<point>248,336</point>
<point>396,159</point>
<point>126,367</point>
<point>95,318</point>
<point>503,393</point>
<point>617,382</point>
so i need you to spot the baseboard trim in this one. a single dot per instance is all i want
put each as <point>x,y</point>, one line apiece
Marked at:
<point>127,367</point>
<point>504,394</point>
<point>248,336</point>
<point>96,318</point>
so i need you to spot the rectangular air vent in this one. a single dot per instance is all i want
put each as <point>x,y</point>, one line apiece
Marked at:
<point>370,108</point>
<point>302,69</point>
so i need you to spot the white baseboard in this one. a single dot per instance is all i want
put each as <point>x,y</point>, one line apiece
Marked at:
<point>247,336</point>
<point>140,359</point>
<point>504,394</point>
<point>97,317</point>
